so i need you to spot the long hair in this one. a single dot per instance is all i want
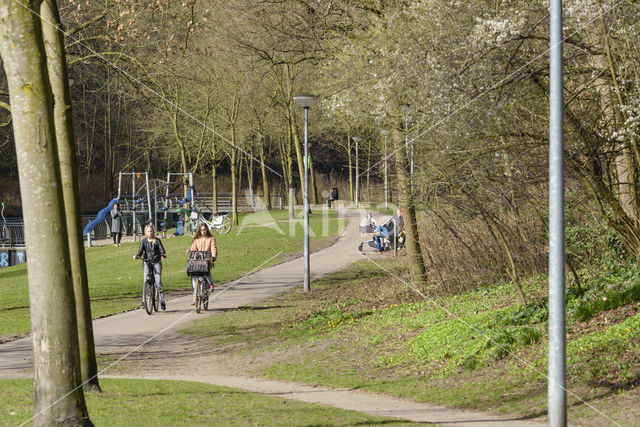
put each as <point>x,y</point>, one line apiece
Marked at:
<point>154,232</point>
<point>198,235</point>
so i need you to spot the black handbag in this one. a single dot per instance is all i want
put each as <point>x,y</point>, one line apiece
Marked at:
<point>198,263</point>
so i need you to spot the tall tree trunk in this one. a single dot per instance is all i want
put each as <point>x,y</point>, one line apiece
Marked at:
<point>350,166</point>
<point>239,166</point>
<point>234,186</point>
<point>57,68</point>
<point>292,189</point>
<point>58,399</point>
<point>214,181</point>
<point>412,243</point>
<point>265,181</point>
<point>291,120</point>
<point>234,176</point>
<point>314,189</point>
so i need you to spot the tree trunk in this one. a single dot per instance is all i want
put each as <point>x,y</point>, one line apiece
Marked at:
<point>412,243</point>
<point>58,399</point>
<point>265,181</point>
<point>314,189</point>
<point>292,189</point>
<point>234,187</point>
<point>351,195</point>
<point>57,68</point>
<point>214,182</point>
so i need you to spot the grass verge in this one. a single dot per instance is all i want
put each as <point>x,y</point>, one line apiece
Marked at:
<point>362,328</point>
<point>170,403</point>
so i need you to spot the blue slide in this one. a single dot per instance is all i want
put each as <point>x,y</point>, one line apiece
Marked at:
<point>190,195</point>
<point>101,216</point>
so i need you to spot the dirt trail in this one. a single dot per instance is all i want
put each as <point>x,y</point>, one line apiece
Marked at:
<point>145,346</point>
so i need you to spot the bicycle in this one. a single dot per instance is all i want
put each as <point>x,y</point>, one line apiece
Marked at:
<point>219,222</point>
<point>150,293</point>
<point>202,294</point>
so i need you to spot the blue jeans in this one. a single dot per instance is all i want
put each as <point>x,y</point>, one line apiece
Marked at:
<point>157,270</point>
<point>194,280</point>
<point>378,239</point>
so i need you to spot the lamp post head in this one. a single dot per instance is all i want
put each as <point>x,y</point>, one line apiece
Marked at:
<point>384,132</point>
<point>356,138</point>
<point>305,100</point>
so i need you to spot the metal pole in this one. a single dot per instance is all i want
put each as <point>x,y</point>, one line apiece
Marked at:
<point>386,178</point>
<point>119,184</point>
<point>357,175</point>
<point>557,398</point>
<point>306,202</point>
<point>133,189</point>
<point>146,175</point>
<point>395,237</point>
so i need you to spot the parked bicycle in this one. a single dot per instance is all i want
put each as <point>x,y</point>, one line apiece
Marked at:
<point>219,221</point>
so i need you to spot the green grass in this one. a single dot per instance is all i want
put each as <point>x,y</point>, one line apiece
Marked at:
<point>480,349</point>
<point>170,403</point>
<point>115,279</point>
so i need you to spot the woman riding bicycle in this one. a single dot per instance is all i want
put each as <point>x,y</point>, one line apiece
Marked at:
<point>203,241</point>
<point>153,252</point>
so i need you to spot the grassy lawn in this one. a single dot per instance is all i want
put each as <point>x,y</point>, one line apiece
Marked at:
<point>115,279</point>
<point>480,349</point>
<point>171,403</point>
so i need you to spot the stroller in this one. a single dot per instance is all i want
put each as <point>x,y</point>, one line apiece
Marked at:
<point>368,225</point>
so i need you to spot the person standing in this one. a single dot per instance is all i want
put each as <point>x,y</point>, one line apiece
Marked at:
<point>203,241</point>
<point>117,225</point>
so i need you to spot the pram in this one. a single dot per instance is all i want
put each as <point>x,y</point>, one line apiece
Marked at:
<point>368,225</point>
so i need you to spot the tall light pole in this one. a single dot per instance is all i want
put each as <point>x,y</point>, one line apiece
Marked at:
<point>357,139</point>
<point>306,101</point>
<point>386,178</point>
<point>556,388</point>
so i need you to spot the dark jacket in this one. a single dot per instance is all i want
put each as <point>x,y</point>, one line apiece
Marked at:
<point>151,251</point>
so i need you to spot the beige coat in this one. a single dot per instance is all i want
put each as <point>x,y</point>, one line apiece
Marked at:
<point>205,244</point>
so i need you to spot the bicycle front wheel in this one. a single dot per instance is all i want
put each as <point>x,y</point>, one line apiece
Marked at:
<point>148,296</point>
<point>225,227</point>
<point>156,297</point>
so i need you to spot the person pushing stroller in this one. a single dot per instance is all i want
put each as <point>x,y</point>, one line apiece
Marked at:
<point>386,230</point>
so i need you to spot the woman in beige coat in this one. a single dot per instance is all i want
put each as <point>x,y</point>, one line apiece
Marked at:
<point>203,241</point>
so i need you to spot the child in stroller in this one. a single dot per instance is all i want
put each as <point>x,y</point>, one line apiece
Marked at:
<point>384,235</point>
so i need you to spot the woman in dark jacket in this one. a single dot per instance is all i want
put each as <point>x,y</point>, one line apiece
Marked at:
<point>152,249</point>
<point>117,226</point>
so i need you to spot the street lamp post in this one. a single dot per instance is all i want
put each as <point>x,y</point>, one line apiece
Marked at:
<point>386,181</point>
<point>357,139</point>
<point>306,101</point>
<point>556,394</point>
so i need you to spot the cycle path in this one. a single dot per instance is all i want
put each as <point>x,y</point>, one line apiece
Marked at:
<point>135,332</point>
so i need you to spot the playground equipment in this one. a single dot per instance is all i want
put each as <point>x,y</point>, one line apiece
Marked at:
<point>156,197</point>
<point>149,202</point>
<point>134,202</point>
<point>4,232</point>
<point>101,216</point>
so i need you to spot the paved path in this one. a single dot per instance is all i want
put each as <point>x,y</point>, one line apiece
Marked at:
<point>130,332</point>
